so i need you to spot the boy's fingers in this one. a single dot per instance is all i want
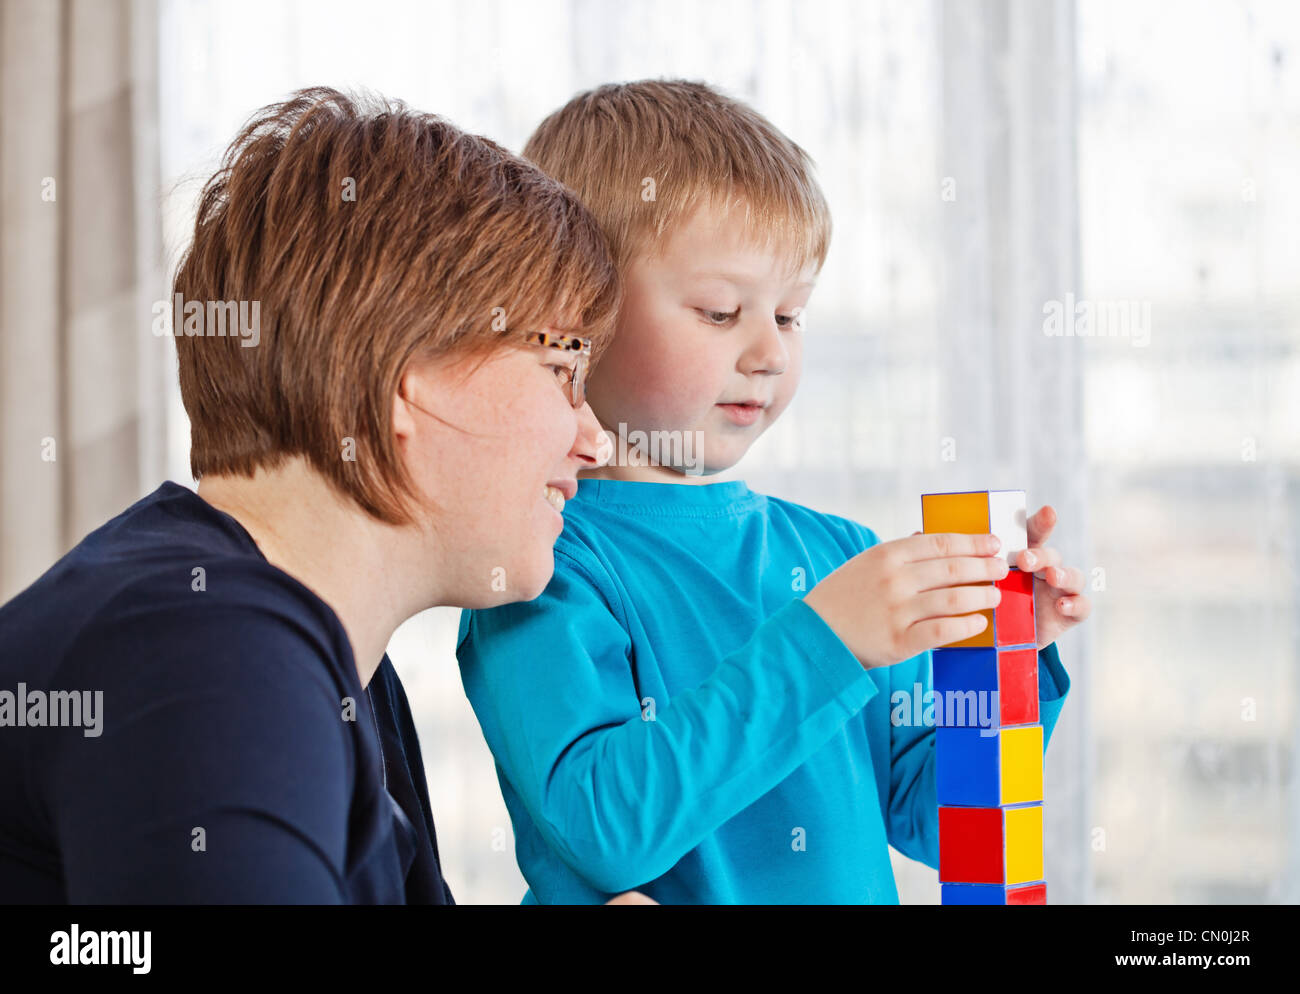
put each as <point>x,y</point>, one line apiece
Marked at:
<point>934,632</point>
<point>1075,608</point>
<point>932,574</point>
<point>1065,579</point>
<point>1039,560</point>
<point>631,897</point>
<point>941,545</point>
<point>955,602</point>
<point>1040,525</point>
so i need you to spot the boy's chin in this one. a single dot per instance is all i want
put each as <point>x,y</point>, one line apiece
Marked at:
<point>702,472</point>
<point>726,452</point>
<point>700,452</point>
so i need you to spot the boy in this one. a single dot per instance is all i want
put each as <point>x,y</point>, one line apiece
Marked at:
<point>670,713</point>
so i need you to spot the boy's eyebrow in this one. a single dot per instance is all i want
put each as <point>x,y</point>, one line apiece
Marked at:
<point>741,280</point>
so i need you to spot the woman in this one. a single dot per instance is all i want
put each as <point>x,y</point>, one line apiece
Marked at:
<point>398,429</point>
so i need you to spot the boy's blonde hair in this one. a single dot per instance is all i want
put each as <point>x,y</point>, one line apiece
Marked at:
<point>643,156</point>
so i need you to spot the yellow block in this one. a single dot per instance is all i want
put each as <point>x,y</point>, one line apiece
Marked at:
<point>1022,764</point>
<point>1024,844</point>
<point>965,514</point>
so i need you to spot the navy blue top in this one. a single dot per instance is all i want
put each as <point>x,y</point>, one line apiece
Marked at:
<point>181,721</point>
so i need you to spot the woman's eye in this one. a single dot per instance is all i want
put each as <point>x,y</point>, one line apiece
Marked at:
<point>718,317</point>
<point>562,373</point>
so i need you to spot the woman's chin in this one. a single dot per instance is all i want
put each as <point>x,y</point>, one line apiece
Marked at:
<point>530,578</point>
<point>529,591</point>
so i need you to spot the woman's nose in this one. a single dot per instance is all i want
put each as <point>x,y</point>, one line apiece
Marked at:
<point>591,445</point>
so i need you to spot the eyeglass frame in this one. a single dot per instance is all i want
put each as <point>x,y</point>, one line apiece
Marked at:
<point>568,343</point>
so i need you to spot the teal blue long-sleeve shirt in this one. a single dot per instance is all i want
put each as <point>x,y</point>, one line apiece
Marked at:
<point>670,716</point>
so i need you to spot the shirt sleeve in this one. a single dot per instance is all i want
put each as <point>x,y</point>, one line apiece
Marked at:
<point>221,773</point>
<point>620,792</point>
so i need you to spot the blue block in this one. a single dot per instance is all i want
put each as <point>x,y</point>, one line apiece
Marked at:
<point>1005,894</point>
<point>967,767</point>
<point>972,894</point>
<point>961,677</point>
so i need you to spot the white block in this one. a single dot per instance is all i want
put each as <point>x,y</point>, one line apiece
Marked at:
<point>1008,516</point>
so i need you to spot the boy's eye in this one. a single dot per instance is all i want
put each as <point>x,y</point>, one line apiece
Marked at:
<point>725,317</point>
<point>718,317</point>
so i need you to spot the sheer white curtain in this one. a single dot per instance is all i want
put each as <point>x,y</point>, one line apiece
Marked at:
<point>1189,145</point>
<point>82,407</point>
<point>977,158</point>
<point>1013,400</point>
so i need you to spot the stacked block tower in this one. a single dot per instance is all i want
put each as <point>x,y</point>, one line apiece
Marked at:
<point>988,739</point>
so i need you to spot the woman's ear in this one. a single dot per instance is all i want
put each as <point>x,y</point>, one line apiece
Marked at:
<point>404,413</point>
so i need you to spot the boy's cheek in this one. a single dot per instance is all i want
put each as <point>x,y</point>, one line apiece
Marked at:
<point>659,391</point>
<point>787,387</point>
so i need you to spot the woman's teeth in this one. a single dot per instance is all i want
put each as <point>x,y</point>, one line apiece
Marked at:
<point>555,497</point>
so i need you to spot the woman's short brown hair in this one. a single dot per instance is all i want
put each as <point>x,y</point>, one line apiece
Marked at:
<point>371,235</point>
<point>644,155</point>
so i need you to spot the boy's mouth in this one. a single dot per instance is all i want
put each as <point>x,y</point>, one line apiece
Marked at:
<point>743,413</point>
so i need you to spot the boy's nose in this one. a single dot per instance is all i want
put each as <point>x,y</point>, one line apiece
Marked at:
<point>768,353</point>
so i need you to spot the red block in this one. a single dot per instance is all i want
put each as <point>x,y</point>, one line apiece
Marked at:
<point>1033,894</point>
<point>1014,615</point>
<point>970,845</point>
<point>1018,686</point>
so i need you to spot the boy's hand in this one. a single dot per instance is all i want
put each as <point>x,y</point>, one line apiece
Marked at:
<point>1059,601</point>
<point>900,598</point>
<point>631,897</point>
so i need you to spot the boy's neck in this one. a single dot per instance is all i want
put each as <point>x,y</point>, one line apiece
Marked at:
<point>657,474</point>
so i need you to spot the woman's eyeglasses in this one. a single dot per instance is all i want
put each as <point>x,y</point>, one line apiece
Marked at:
<point>581,347</point>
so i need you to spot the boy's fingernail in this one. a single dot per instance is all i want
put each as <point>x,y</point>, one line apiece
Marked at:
<point>994,543</point>
<point>1030,559</point>
<point>1067,607</point>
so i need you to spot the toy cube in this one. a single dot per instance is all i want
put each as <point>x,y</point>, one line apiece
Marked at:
<point>971,685</point>
<point>991,845</point>
<point>1000,513</point>
<point>985,768</point>
<point>1011,621</point>
<point>992,894</point>
<point>979,512</point>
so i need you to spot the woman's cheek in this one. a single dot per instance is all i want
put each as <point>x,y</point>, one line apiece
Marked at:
<point>550,431</point>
